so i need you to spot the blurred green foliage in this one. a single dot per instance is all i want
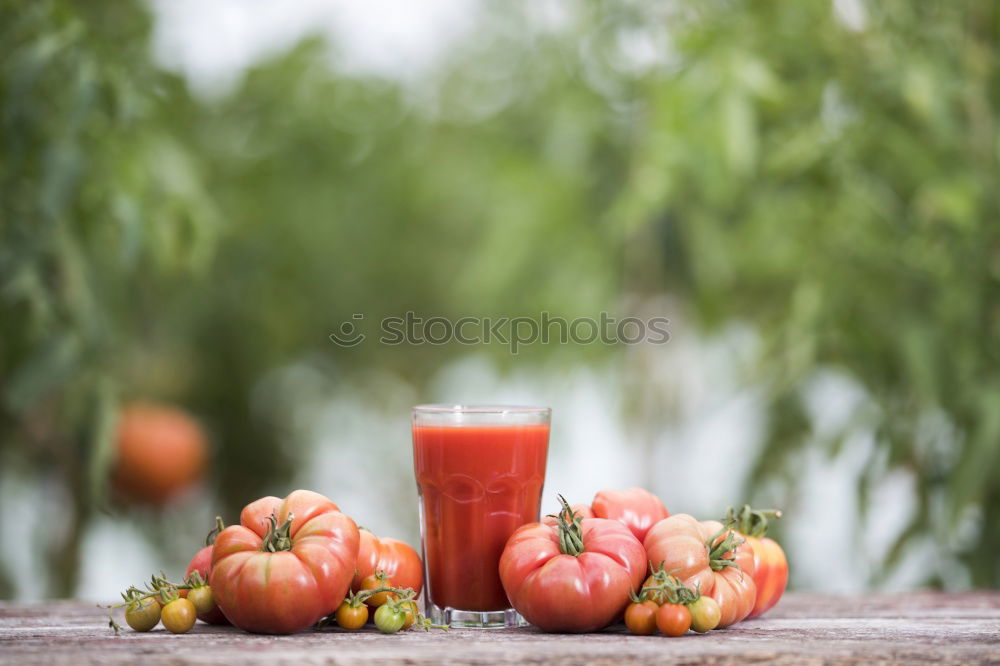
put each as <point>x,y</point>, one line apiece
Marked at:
<point>834,187</point>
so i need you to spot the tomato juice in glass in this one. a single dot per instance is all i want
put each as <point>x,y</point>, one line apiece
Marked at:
<point>479,473</point>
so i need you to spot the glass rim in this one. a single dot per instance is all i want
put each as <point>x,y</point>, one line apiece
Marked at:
<point>480,409</point>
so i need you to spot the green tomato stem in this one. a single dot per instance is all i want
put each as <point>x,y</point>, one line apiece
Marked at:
<point>570,529</point>
<point>751,522</point>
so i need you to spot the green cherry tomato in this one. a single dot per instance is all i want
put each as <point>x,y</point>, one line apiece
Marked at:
<point>179,615</point>
<point>705,614</point>
<point>143,615</point>
<point>202,599</point>
<point>389,619</point>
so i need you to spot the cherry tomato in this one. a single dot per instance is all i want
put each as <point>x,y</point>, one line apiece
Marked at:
<point>640,618</point>
<point>673,619</point>
<point>659,597</point>
<point>352,617</point>
<point>705,614</point>
<point>202,599</point>
<point>179,615</point>
<point>373,583</point>
<point>410,609</point>
<point>143,615</point>
<point>389,619</point>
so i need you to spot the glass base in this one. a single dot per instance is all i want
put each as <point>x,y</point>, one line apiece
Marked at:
<point>463,619</point>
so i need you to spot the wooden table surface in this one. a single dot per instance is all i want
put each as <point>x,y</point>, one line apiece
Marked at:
<point>914,627</point>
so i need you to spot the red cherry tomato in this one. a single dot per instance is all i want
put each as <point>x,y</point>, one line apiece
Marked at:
<point>288,564</point>
<point>636,508</point>
<point>673,619</point>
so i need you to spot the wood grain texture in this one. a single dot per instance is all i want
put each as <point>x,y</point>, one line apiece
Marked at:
<point>804,628</point>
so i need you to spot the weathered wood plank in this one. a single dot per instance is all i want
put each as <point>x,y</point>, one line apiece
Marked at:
<point>918,627</point>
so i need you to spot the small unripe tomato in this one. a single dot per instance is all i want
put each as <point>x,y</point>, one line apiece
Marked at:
<point>179,616</point>
<point>705,614</point>
<point>143,615</point>
<point>351,617</point>
<point>389,619</point>
<point>202,599</point>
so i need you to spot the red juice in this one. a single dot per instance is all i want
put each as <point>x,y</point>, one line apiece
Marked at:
<point>478,483</point>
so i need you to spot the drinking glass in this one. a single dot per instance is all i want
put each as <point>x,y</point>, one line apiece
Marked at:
<point>479,472</point>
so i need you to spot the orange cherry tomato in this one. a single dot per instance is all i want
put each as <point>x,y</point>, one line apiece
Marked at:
<point>410,608</point>
<point>351,617</point>
<point>373,582</point>
<point>179,616</point>
<point>673,619</point>
<point>640,618</point>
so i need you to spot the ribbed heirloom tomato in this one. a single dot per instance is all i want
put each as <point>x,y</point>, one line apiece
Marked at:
<point>573,577</point>
<point>288,564</point>
<point>636,508</point>
<point>770,573</point>
<point>705,556</point>
<point>395,558</point>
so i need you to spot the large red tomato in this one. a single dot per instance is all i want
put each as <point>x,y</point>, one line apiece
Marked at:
<point>202,563</point>
<point>161,451</point>
<point>394,557</point>
<point>288,564</point>
<point>575,576</point>
<point>707,556</point>
<point>636,508</point>
<point>770,573</point>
